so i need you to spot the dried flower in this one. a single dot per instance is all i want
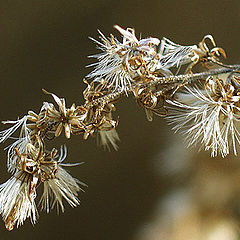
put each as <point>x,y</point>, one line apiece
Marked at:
<point>99,117</point>
<point>209,116</point>
<point>17,200</point>
<point>63,185</point>
<point>150,101</point>
<point>36,166</point>
<point>65,118</point>
<point>175,55</point>
<point>122,63</point>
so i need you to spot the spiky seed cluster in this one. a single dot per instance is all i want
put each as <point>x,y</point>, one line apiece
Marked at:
<point>146,68</point>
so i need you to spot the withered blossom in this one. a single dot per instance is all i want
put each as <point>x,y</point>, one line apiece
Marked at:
<point>150,101</point>
<point>122,63</point>
<point>36,166</point>
<point>62,186</point>
<point>209,117</point>
<point>17,200</point>
<point>99,117</point>
<point>65,118</point>
<point>107,129</point>
<point>175,55</point>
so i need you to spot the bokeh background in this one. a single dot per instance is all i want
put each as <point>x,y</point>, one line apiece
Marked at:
<point>152,188</point>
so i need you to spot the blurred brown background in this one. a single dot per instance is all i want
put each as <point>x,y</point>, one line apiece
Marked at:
<point>44,44</point>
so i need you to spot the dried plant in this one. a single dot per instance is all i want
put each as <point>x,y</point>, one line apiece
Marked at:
<point>202,105</point>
